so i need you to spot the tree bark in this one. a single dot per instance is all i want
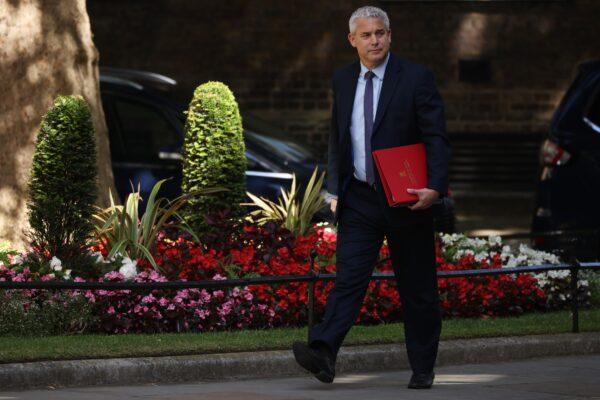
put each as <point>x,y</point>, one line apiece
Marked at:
<point>46,49</point>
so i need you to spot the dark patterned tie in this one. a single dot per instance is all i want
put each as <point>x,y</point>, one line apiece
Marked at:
<point>368,110</point>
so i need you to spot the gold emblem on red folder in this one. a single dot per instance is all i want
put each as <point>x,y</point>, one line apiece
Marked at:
<point>411,176</point>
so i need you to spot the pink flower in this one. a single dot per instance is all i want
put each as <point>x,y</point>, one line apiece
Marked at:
<point>114,276</point>
<point>163,302</point>
<point>200,313</point>
<point>148,299</point>
<point>205,296</point>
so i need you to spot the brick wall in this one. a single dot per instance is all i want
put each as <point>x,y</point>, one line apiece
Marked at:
<point>278,56</point>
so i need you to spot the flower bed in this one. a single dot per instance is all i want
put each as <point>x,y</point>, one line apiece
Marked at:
<point>269,250</point>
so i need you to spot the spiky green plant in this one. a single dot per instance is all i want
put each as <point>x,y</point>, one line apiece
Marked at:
<point>214,153</point>
<point>292,213</point>
<point>122,230</point>
<point>62,187</point>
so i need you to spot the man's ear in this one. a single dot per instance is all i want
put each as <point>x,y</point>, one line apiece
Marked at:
<point>351,39</point>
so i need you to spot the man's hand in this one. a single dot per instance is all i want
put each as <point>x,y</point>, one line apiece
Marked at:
<point>333,205</point>
<point>426,198</point>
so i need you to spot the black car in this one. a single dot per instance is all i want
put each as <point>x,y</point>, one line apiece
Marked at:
<point>569,183</point>
<point>146,130</point>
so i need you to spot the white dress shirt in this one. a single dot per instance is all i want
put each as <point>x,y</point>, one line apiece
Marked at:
<point>357,123</point>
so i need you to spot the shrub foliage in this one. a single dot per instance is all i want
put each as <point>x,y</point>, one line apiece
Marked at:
<point>214,153</point>
<point>62,187</point>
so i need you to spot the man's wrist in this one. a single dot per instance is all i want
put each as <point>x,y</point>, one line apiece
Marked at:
<point>330,196</point>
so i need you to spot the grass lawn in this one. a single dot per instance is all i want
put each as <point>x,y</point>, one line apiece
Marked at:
<point>18,349</point>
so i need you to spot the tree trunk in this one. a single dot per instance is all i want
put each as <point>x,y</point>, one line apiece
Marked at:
<point>46,49</point>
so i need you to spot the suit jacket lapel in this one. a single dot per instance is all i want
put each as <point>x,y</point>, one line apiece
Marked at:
<point>346,96</point>
<point>390,81</point>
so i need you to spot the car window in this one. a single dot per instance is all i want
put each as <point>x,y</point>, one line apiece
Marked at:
<point>117,148</point>
<point>283,149</point>
<point>145,130</point>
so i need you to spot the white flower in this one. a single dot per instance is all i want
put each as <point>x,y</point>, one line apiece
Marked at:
<point>56,264</point>
<point>18,259</point>
<point>128,268</point>
<point>445,239</point>
<point>479,242</point>
<point>67,274</point>
<point>99,257</point>
<point>481,256</point>
<point>494,240</point>
<point>563,274</point>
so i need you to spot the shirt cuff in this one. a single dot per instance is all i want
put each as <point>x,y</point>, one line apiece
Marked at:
<point>330,196</point>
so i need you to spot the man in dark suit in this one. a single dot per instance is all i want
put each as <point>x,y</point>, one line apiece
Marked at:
<point>381,101</point>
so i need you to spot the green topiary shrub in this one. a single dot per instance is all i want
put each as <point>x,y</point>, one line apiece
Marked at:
<point>214,153</point>
<point>62,187</point>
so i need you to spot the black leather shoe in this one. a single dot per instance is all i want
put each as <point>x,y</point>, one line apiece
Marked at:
<point>421,381</point>
<point>317,361</point>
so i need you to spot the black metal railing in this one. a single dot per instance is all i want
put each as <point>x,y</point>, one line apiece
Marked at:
<point>312,277</point>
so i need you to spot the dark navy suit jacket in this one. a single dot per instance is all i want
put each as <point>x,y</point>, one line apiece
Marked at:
<point>410,110</point>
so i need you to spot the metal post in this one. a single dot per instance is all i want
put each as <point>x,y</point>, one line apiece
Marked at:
<point>311,292</point>
<point>597,237</point>
<point>574,296</point>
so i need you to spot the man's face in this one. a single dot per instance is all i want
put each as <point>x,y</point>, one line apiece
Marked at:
<point>372,41</point>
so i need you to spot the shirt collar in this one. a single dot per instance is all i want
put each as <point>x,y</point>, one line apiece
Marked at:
<point>379,71</point>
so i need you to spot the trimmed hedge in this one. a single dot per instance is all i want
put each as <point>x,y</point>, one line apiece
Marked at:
<point>62,187</point>
<point>214,153</point>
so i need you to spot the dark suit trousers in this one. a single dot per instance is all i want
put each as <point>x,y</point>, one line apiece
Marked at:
<point>361,230</point>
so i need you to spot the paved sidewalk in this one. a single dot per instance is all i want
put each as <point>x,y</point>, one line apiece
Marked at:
<point>281,364</point>
<point>573,377</point>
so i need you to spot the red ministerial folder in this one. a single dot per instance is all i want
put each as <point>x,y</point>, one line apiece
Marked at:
<point>401,168</point>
